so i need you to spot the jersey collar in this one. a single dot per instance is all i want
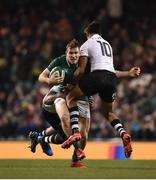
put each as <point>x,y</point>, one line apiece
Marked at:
<point>67,62</point>
<point>95,35</point>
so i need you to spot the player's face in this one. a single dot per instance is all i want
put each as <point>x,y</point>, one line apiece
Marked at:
<point>72,55</point>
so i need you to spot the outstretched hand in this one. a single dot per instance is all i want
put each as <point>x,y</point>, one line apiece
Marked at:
<point>134,72</point>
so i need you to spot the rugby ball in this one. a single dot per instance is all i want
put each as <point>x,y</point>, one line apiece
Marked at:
<point>58,71</point>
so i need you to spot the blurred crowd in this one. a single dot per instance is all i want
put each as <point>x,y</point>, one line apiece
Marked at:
<point>32,33</point>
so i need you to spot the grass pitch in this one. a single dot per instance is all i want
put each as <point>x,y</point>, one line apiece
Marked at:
<point>60,169</point>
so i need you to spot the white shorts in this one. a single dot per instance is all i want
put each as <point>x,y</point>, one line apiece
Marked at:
<point>83,107</point>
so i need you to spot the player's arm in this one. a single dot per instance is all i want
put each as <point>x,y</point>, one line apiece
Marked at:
<point>82,61</point>
<point>133,72</point>
<point>52,80</point>
<point>80,70</point>
<point>81,66</point>
<point>44,76</point>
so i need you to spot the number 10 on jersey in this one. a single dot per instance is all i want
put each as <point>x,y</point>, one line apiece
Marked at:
<point>105,49</point>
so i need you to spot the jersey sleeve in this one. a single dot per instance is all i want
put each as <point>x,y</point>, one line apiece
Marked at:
<point>55,62</point>
<point>84,49</point>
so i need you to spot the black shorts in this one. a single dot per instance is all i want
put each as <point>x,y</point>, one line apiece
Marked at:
<point>51,118</point>
<point>54,121</point>
<point>100,82</point>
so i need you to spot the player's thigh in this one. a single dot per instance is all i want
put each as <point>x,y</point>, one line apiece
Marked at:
<point>74,94</point>
<point>49,98</point>
<point>108,94</point>
<point>107,88</point>
<point>89,84</point>
<point>62,111</point>
<point>49,107</point>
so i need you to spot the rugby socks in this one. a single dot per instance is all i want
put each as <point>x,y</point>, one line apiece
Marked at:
<point>74,119</point>
<point>57,139</point>
<point>54,139</point>
<point>118,127</point>
<point>43,133</point>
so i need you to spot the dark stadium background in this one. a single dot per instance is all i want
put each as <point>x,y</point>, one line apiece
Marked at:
<point>34,32</point>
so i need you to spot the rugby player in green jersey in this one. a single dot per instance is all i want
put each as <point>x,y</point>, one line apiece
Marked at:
<point>68,63</point>
<point>56,98</point>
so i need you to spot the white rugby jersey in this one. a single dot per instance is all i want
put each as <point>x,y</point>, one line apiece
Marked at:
<point>99,52</point>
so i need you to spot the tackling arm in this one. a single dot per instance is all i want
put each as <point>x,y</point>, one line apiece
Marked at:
<point>133,72</point>
<point>81,68</point>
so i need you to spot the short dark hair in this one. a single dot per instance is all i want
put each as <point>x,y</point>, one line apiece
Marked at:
<point>72,44</point>
<point>93,28</point>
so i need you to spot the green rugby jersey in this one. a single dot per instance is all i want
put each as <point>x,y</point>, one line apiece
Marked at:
<point>69,72</point>
<point>63,63</point>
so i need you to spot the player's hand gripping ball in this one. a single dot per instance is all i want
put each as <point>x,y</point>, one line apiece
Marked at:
<point>57,75</point>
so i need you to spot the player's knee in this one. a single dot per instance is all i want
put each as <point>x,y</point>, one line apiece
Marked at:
<point>48,100</point>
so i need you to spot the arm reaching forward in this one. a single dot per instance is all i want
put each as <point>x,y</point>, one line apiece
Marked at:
<point>133,72</point>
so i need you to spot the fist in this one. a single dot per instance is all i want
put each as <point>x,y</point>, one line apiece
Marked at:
<point>134,72</point>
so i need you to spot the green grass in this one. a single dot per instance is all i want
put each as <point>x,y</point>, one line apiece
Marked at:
<point>60,169</point>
